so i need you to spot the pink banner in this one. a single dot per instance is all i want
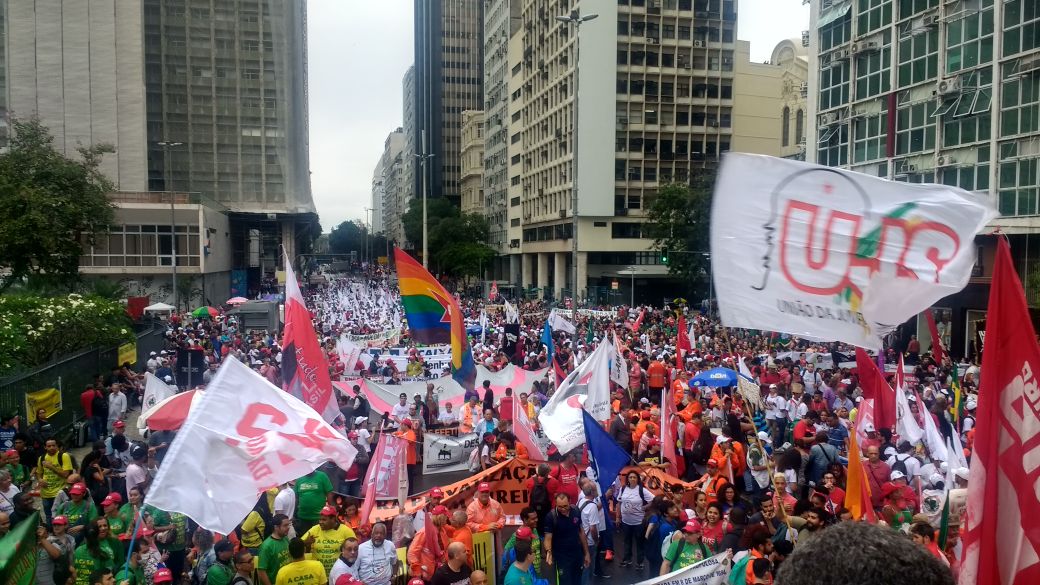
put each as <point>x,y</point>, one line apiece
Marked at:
<point>387,473</point>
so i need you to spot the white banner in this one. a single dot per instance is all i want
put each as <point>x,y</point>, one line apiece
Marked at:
<point>559,323</point>
<point>445,453</point>
<point>588,384</point>
<point>244,436</point>
<point>710,571</point>
<point>349,353</point>
<point>830,254</point>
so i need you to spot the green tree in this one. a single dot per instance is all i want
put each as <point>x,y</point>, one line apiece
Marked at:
<point>437,210</point>
<point>347,237</point>
<point>458,245</point>
<point>679,220</point>
<point>50,206</point>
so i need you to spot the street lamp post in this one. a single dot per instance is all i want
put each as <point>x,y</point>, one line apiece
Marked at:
<point>575,19</point>
<point>423,157</point>
<point>167,184</point>
<point>365,252</point>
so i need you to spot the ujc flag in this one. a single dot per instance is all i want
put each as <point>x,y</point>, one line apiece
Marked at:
<point>830,254</point>
<point>304,367</point>
<point>243,437</point>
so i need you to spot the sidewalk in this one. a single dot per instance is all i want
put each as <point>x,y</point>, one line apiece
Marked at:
<point>131,433</point>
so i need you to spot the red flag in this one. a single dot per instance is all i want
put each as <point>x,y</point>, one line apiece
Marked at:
<point>938,351</point>
<point>305,370</point>
<point>874,386</point>
<point>494,291</point>
<point>384,475</point>
<point>1002,541</point>
<point>639,321</point>
<point>683,342</point>
<point>432,543</point>
<point>668,434</point>
<point>525,433</point>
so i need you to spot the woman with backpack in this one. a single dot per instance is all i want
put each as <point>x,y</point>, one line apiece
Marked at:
<point>633,500</point>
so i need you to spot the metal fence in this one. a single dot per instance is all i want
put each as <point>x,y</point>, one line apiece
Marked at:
<point>70,376</point>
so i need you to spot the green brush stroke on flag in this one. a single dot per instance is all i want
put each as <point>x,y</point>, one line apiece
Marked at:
<point>867,246</point>
<point>18,553</point>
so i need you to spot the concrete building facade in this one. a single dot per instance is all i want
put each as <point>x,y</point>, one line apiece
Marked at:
<point>405,194</point>
<point>449,64</point>
<point>377,208</point>
<point>472,171</point>
<point>200,97</point>
<point>390,171</point>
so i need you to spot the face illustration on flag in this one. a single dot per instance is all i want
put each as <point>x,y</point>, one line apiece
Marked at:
<point>835,254</point>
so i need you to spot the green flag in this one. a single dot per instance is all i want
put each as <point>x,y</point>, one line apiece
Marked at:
<point>18,553</point>
<point>588,332</point>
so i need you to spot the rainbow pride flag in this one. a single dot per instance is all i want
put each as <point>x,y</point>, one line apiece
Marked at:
<point>434,316</point>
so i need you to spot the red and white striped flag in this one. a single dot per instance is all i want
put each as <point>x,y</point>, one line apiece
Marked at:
<point>525,433</point>
<point>387,472</point>
<point>305,370</point>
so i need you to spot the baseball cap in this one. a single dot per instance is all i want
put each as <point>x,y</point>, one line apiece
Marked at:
<point>60,520</point>
<point>352,435</point>
<point>11,453</point>
<point>348,579</point>
<point>868,427</point>
<point>407,422</point>
<point>436,493</point>
<point>523,533</point>
<point>119,424</point>
<point>898,475</point>
<point>653,443</point>
<point>484,487</point>
<point>439,510</point>
<point>107,501</point>
<point>721,439</point>
<point>328,511</point>
<point>764,437</point>
<point>163,575</point>
<point>691,527</point>
<point>78,488</point>
<point>416,581</point>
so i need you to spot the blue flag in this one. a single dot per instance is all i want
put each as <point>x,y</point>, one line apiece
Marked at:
<point>608,459</point>
<point>547,341</point>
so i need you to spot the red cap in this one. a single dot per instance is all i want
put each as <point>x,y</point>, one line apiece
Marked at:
<point>163,575</point>
<point>116,498</point>
<point>406,421</point>
<point>78,489</point>
<point>653,443</point>
<point>328,511</point>
<point>11,453</point>
<point>691,527</point>
<point>523,533</point>
<point>60,520</point>
<point>436,493</point>
<point>416,581</point>
<point>347,579</point>
<point>146,532</point>
<point>484,487</point>
<point>119,424</point>
<point>107,501</point>
<point>439,510</point>
<point>352,435</point>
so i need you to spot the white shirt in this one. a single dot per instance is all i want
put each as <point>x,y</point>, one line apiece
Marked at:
<point>448,418</point>
<point>7,499</point>
<point>590,518</point>
<point>365,439</point>
<point>341,568</point>
<point>813,381</point>
<point>913,464</point>
<point>398,412</point>
<point>285,502</point>
<point>632,504</point>
<point>116,406</point>
<point>375,563</point>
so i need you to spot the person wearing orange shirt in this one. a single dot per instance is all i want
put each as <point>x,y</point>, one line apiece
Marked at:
<point>408,435</point>
<point>420,560</point>
<point>692,410</point>
<point>656,376</point>
<point>484,513</point>
<point>644,420</point>
<point>508,448</point>
<point>712,480</point>
<point>469,415</point>
<point>679,387</point>
<point>460,532</point>
<point>728,451</point>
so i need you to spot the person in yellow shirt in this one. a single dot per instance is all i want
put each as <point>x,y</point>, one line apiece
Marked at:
<point>52,468</point>
<point>301,571</point>
<point>325,538</point>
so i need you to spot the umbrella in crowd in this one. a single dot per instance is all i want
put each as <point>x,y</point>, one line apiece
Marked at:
<point>205,312</point>
<point>237,300</point>
<point>171,413</point>
<point>717,378</point>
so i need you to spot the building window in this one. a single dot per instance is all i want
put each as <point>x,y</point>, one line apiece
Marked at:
<point>869,137</point>
<point>908,8</point>
<point>626,230</point>
<point>1021,26</point>
<point>918,58</point>
<point>973,177</point>
<point>872,72</point>
<point>1019,186</point>
<point>799,126</point>
<point>1020,106</point>
<point>785,126</point>
<point>834,86</point>
<point>872,15</point>
<point>969,40</point>
<point>833,150</point>
<point>966,118</point>
<point>835,34</point>
<point>915,128</point>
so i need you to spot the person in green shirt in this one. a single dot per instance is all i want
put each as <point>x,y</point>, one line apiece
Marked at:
<point>325,539</point>
<point>79,510</point>
<point>221,572</point>
<point>176,545</point>
<point>132,572</point>
<point>129,511</point>
<point>274,552</point>
<point>312,494</point>
<point>93,555</point>
<point>116,523</point>
<point>686,551</point>
<point>520,571</point>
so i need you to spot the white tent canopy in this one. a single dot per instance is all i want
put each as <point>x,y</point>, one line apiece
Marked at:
<point>159,308</point>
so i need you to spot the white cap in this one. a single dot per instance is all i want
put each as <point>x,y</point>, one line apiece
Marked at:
<point>869,427</point>
<point>772,386</point>
<point>764,437</point>
<point>897,475</point>
<point>644,400</point>
<point>935,478</point>
<point>970,404</point>
<point>961,472</point>
<point>152,354</point>
<point>168,378</point>
<point>360,419</point>
<point>721,439</point>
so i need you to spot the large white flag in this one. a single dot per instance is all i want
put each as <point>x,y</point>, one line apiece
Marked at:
<point>906,425</point>
<point>561,417</point>
<point>512,315</point>
<point>710,571</point>
<point>155,391</point>
<point>244,436</point>
<point>349,353</point>
<point>560,323</point>
<point>831,254</point>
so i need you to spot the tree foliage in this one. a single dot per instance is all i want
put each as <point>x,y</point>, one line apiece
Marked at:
<point>49,205</point>
<point>458,242</point>
<point>353,236</point>
<point>679,220</point>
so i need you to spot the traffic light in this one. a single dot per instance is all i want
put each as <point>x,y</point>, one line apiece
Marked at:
<point>664,255</point>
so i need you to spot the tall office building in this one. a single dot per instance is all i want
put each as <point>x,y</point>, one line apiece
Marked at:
<point>376,212</point>
<point>472,183</point>
<point>390,169</point>
<point>449,64</point>
<point>655,99</point>
<point>205,99</point>
<point>501,21</point>
<point>406,193</point>
<point>933,91</point>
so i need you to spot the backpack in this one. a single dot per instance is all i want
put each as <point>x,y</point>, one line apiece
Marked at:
<point>540,497</point>
<point>900,465</point>
<point>701,450</point>
<point>98,403</point>
<point>61,456</point>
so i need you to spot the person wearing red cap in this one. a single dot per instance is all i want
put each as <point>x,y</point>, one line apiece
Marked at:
<point>110,508</point>
<point>484,513</point>
<point>79,509</point>
<point>325,539</point>
<point>420,556</point>
<point>689,550</point>
<point>55,565</point>
<point>519,572</point>
<point>527,531</point>
<point>653,457</point>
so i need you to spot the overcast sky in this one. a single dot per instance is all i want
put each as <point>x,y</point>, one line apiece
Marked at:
<point>360,49</point>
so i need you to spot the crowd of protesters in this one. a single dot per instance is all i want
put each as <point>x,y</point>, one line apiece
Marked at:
<point>764,483</point>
